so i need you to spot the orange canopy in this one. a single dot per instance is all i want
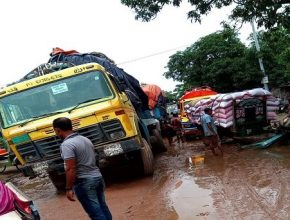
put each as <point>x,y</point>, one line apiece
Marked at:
<point>153,92</point>
<point>197,92</point>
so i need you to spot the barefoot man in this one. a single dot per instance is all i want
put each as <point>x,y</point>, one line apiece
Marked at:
<point>211,137</point>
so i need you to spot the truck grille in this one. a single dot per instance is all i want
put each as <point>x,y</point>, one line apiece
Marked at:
<point>28,152</point>
<point>112,126</point>
<point>50,147</point>
<point>94,133</point>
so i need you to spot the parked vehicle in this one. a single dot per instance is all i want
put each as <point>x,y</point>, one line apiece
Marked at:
<point>15,204</point>
<point>157,113</point>
<point>189,129</point>
<point>94,99</point>
<point>4,160</point>
<point>8,159</point>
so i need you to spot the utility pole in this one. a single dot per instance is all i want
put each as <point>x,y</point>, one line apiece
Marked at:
<point>265,80</point>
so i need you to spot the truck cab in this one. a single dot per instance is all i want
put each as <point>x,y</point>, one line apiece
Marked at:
<point>90,97</point>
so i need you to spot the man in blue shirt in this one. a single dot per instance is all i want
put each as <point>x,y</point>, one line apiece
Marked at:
<point>211,137</point>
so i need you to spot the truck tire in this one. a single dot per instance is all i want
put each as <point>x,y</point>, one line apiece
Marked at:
<point>17,164</point>
<point>58,181</point>
<point>56,174</point>
<point>157,141</point>
<point>2,168</point>
<point>147,158</point>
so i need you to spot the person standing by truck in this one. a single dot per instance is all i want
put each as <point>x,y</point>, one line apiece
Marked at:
<point>83,177</point>
<point>211,137</point>
<point>176,124</point>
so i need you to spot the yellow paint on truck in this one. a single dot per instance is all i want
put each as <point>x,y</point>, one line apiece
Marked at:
<point>22,105</point>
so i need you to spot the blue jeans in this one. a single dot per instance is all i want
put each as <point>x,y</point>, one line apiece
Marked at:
<point>90,193</point>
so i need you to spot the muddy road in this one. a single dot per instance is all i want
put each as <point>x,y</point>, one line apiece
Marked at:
<point>247,184</point>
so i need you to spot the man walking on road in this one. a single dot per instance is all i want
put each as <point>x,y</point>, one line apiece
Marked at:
<point>211,137</point>
<point>176,124</point>
<point>83,177</point>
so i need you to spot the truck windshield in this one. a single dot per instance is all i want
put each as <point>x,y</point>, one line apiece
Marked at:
<point>58,96</point>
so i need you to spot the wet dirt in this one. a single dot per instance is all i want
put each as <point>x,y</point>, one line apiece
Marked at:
<point>242,184</point>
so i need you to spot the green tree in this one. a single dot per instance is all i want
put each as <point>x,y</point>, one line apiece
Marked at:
<point>267,12</point>
<point>171,96</point>
<point>218,60</point>
<point>275,51</point>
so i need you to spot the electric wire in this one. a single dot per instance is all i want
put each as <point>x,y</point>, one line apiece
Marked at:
<point>152,55</point>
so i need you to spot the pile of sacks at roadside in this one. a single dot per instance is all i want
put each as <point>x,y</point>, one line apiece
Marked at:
<point>223,106</point>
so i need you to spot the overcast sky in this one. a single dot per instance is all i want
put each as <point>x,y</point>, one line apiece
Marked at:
<point>31,28</point>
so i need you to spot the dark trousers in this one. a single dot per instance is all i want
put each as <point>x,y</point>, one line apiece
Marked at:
<point>90,193</point>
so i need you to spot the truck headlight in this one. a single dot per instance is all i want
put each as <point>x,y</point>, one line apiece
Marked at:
<point>117,134</point>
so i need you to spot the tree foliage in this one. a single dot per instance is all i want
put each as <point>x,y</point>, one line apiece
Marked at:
<point>218,60</point>
<point>171,96</point>
<point>268,13</point>
<point>275,51</point>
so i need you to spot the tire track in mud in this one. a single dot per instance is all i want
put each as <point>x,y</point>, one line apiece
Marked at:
<point>283,176</point>
<point>240,196</point>
<point>279,185</point>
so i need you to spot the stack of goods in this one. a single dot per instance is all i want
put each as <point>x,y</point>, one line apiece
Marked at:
<point>272,107</point>
<point>223,106</point>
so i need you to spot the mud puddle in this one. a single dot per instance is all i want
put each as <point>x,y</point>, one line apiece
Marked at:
<point>247,184</point>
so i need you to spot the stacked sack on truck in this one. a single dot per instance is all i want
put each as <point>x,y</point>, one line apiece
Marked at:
<point>223,106</point>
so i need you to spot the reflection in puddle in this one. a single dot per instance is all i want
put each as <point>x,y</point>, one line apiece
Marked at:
<point>196,161</point>
<point>191,201</point>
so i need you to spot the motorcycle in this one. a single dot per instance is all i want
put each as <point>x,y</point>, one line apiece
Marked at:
<point>15,205</point>
<point>4,160</point>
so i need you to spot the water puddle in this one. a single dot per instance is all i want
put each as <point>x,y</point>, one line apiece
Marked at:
<point>190,201</point>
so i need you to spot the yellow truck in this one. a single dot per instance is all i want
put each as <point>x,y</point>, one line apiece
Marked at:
<point>91,98</point>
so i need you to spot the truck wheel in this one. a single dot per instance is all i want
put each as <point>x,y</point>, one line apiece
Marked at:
<point>56,174</point>
<point>2,168</point>
<point>58,181</point>
<point>157,141</point>
<point>147,158</point>
<point>17,164</point>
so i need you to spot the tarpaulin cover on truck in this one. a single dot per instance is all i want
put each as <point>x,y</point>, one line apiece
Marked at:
<point>130,85</point>
<point>61,59</point>
<point>156,100</point>
<point>153,92</point>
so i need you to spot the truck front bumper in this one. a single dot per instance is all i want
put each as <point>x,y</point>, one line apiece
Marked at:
<point>117,148</point>
<point>102,152</point>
